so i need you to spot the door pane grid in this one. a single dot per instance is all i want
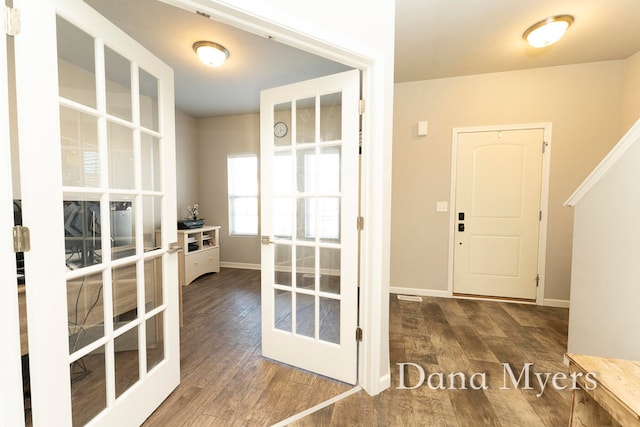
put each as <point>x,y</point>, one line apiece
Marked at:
<point>310,194</point>
<point>314,187</point>
<point>127,201</point>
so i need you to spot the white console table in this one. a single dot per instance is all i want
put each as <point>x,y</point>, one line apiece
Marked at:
<point>200,252</point>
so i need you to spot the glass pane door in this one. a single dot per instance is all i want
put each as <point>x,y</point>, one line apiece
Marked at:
<point>110,214</point>
<point>112,183</point>
<point>309,153</point>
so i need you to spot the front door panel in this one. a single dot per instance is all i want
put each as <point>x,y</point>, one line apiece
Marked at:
<point>498,191</point>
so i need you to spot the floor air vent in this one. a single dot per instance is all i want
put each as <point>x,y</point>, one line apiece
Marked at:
<point>409,298</point>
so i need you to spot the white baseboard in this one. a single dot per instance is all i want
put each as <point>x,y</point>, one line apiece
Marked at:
<point>562,303</point>
<point>382,383</point>
<point>548,302</point>
<point>240,265</point>
<point>420,292</point>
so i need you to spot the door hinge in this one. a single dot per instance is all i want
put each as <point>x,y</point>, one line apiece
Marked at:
<point>359,334</point>
<point>537,280</point>
<point>360,223</point>
<point>539,215</point>
<point>11,21</point>
<point>21,240</point>
<point>544,146</point>
<point>361,107</point>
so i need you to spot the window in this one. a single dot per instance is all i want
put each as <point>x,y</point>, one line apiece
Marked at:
<point>242,174</point>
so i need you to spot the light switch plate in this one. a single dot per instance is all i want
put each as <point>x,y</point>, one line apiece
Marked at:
<point>423,128</point>
<point>442,206</point>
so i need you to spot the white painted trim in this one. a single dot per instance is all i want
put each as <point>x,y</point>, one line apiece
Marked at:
<point>37,101</point>
<point>319,406</point>
<point>544,206</point>
<point>11,397</point>
<point>544,196</point>
<point>547,302</point>
<point>421,292</point>
<point>479,298</point>
<point>373,363</point>
<point>632,136</point>
<point>240,265</point>
<point>561,303</point>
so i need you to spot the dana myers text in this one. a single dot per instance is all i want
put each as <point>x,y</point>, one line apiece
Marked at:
<point>525,379</point>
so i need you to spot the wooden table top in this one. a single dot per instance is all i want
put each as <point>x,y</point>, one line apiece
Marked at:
<point>620,378</point>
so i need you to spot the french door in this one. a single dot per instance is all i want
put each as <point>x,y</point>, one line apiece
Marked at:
<point>309,209</point>
<point>97,175</point>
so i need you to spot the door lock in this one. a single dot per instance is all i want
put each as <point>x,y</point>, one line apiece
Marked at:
<point>266,240</point>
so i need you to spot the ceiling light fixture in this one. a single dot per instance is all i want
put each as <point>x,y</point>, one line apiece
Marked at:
<point>210,53</point>
<point>547,31</point>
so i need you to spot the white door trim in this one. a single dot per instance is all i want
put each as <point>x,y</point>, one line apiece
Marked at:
<point>11,402</point>
<point>373,359</point>
<point>544,196</point>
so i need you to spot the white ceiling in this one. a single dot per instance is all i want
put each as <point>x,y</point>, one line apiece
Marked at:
<point>446,38</point>
<point>434,39</point>
<point>255,62</point>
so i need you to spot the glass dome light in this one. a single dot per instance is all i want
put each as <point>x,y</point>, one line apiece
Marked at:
<point>210,53</point>
<point>547,31</point>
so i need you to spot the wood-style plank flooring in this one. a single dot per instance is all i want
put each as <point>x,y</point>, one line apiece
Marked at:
<point>455,335</point>
<point>225,381</point>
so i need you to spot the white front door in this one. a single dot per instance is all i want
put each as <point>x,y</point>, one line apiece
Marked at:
<point>97,174</point>
<point>309,209</point>
<point>497,213</point>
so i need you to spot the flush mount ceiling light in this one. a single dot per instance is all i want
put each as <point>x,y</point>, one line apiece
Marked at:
<point>547,31</point>
<point>210,53</point>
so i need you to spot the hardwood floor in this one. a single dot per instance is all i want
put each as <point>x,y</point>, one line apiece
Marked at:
<point>225,381</point>
<point>455,335</point>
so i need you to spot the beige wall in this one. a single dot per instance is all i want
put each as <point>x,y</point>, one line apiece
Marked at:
<point>186,162</point>
<point>217,138</point>
<point>584,104</point>
<point>631,97</point>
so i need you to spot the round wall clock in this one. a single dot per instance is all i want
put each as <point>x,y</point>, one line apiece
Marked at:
<point>280,129</point>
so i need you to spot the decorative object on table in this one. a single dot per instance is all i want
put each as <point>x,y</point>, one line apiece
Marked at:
<point>191,220</point>
<point>192,211</point>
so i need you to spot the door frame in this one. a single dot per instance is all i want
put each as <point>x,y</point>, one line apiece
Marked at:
<point>544,197</point>
<point>374,374</point>
<point>11,404</point>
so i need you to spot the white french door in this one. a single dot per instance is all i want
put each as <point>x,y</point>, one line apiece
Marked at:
<point>309,208</point>
<point>97,172</point>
